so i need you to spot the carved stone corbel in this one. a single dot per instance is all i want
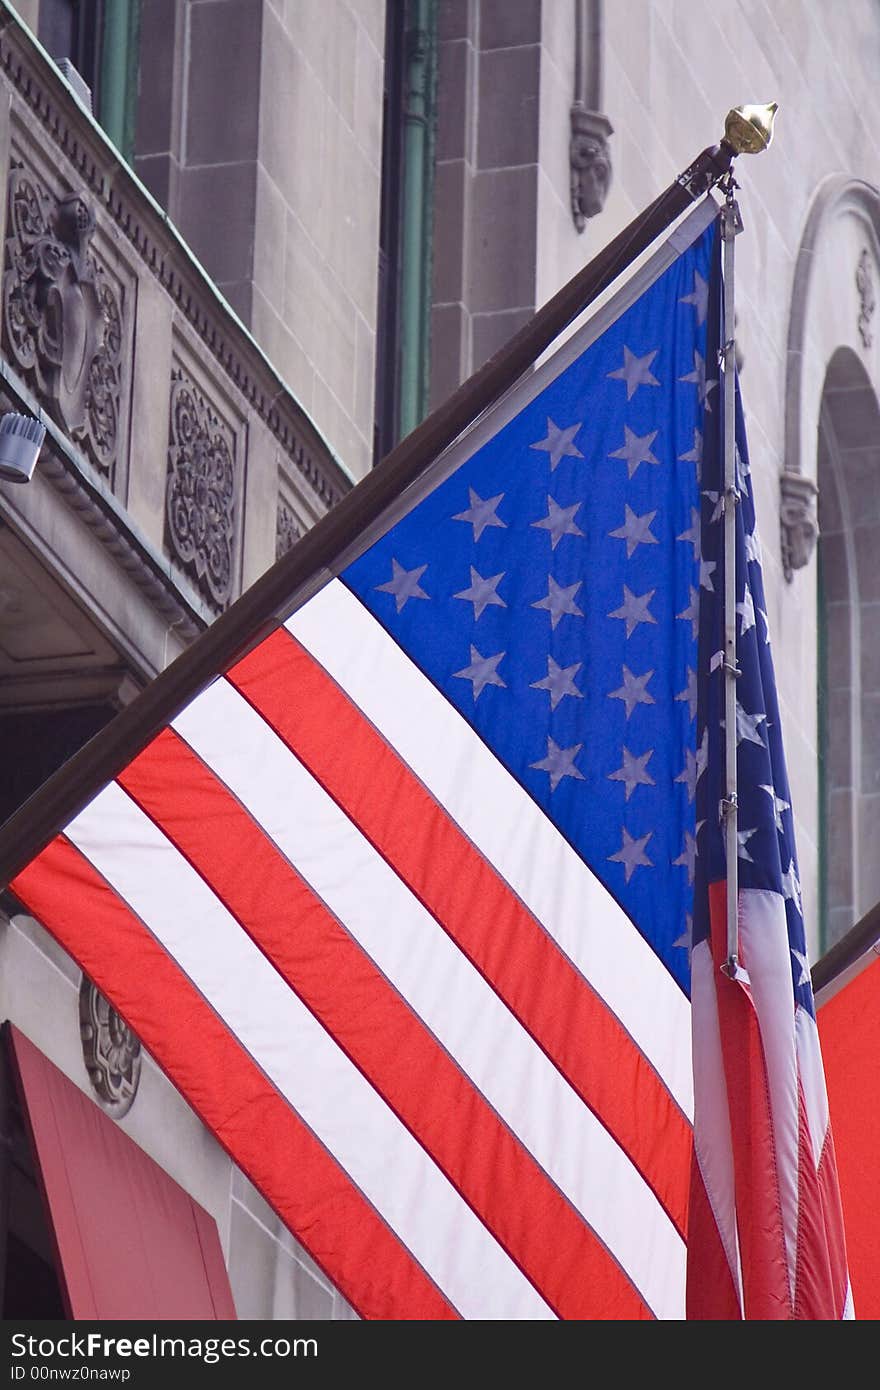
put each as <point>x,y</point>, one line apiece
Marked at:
<point>799,521</point>
<point>590,163</point>
<point>589,154</point>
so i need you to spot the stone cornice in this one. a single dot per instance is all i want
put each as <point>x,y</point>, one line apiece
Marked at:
<point>158,587</point>
<point>93,159</point>
<point>88,496</point>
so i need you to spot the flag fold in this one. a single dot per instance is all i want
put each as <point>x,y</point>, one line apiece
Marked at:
<point>765,1205</point>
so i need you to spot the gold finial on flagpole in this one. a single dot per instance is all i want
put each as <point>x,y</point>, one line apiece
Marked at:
<point>749,129</point>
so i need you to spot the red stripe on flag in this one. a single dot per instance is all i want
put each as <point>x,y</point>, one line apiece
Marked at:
<point>253,1123</point>
<point>835,1230</point>
<point>849,1027</point>
<point>711,1294</point>
<point>378,1031</point>
<point>766,1292</point>
<point>478,910</point>
<point>821,1279</point>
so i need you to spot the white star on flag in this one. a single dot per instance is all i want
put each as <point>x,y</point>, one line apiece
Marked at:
<point>699,297</point>
<point>559,444</point>
<point>746,610</point>
<point>636,371</point>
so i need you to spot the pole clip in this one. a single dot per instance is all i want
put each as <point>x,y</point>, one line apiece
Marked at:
<point>731,217</point>
<point>727,354</point>
<point>707,170</point>
<point>730,968</point>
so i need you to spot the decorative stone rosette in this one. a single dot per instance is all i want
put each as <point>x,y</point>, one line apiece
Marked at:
<point>200,491</point>
<point>111,1051</point>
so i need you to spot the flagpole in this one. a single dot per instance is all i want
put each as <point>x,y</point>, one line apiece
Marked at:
<point>731,226</point>
<point>305,566</point>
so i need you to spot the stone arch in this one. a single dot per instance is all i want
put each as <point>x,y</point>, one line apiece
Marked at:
<point>833,305</point>
<point>832,451</point>
<point>848,472</point>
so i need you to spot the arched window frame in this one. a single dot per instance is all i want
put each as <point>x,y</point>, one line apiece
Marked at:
<point>834,343</point>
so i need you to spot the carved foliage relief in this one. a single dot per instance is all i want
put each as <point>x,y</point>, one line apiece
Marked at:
<point>201,487</point>
<point>287,529</point>
<point>867,296</point>
<point>62,318</point>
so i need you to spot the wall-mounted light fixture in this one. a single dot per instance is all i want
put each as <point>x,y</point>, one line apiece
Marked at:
<point>21,438</point>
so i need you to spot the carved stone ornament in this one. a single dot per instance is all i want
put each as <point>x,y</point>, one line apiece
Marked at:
<point>590,163</point>
<point>111,1051</point>
<point>200,491</point>
<point>287,530</point>
<point>799,520</point>
<point>62,322</point>
<point>867,297</point>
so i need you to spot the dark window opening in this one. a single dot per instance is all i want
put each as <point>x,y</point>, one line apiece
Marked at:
<point>73,29</point>
<point>822,748</point>
<point>35,743</point>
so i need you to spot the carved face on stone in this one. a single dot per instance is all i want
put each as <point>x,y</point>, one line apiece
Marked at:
<point>800,529</point>
<point>591,167</point>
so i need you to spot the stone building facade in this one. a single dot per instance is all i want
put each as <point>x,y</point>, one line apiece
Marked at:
<point>309,221</point>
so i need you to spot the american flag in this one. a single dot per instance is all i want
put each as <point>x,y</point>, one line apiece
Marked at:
<point>401,901</point>
<point>766,1237</point>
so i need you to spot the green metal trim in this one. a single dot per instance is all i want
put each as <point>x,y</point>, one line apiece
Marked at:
<point>131,86</point>
<point>428,199</point>
<point>119,69</point>
<point>416,240</point>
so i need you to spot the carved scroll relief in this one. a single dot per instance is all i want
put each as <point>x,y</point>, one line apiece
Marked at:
<point>201,492</point>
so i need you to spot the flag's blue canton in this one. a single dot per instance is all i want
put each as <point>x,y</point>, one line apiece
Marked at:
<point>549,588</point>
<point>765,826</point>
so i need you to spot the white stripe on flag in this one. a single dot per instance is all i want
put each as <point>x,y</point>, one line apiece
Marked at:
<point>506,826</point>
<point>712,1138</point>
<point>302,1060</point>
<point>812,1074</point>
<point>451,997</point>
<point>767,957</point>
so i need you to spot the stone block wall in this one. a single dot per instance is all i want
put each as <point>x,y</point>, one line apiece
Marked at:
<point>259,129</point>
